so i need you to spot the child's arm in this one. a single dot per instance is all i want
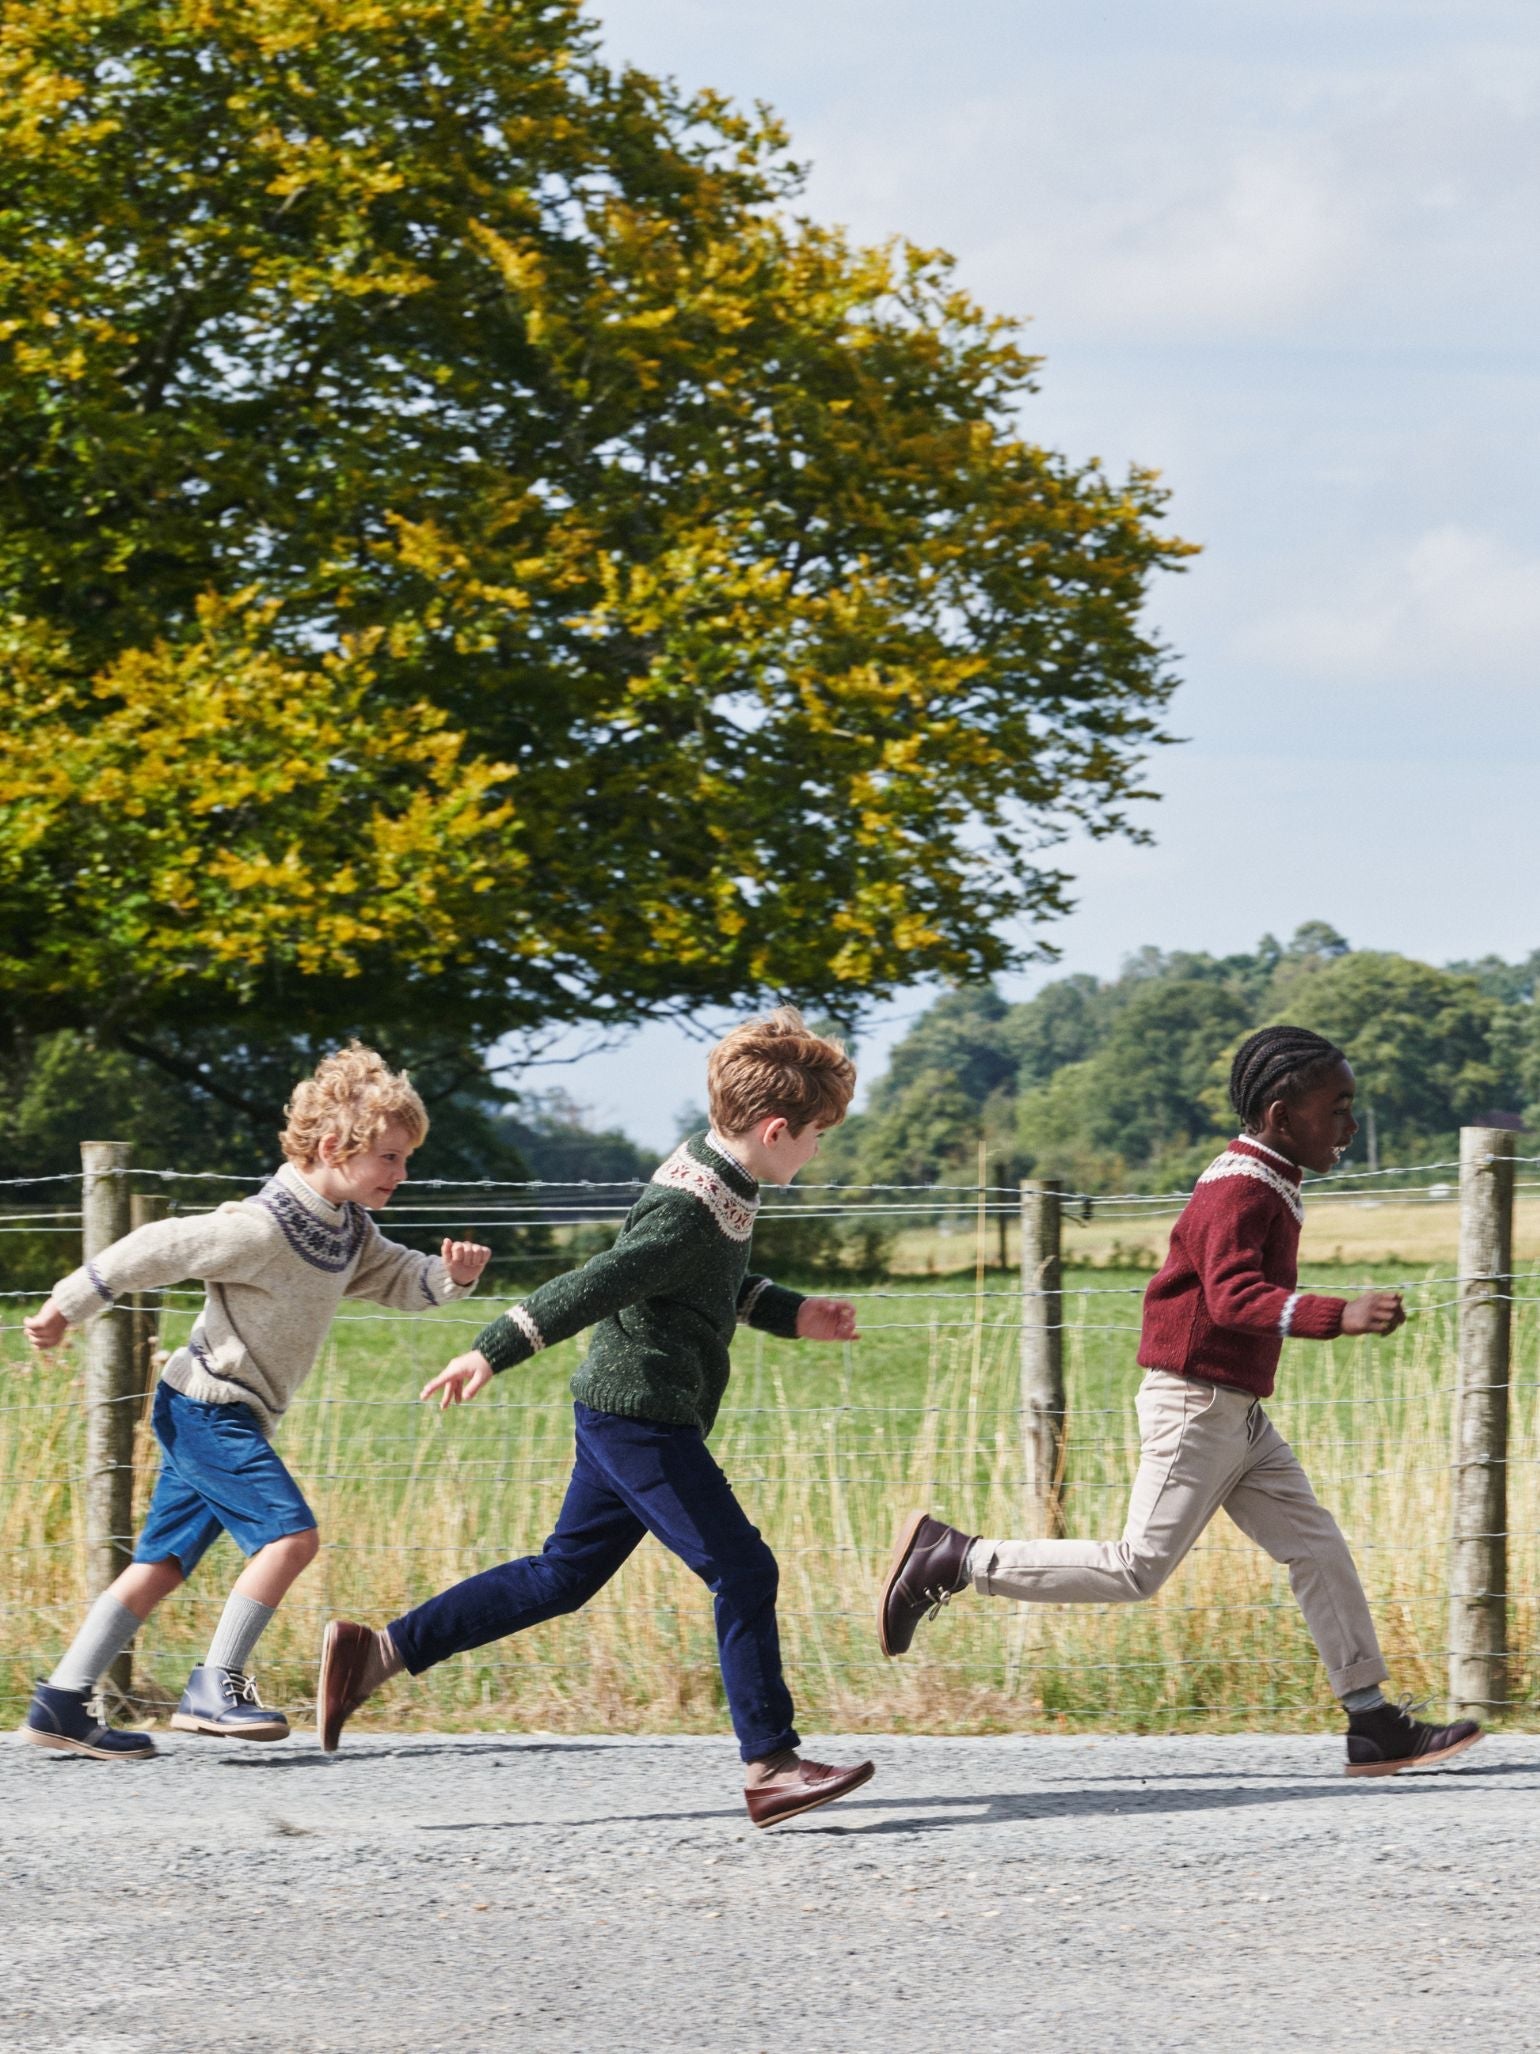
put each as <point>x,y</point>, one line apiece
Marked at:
<point>775,1310</point>
<point>225,1246</point>
<point>407,1280</point>
<point>652,1254</point>
<point>1225,1233</point>
<point>1226,1240</point>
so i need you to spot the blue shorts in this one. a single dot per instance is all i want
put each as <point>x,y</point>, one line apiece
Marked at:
<point>218,1472</point>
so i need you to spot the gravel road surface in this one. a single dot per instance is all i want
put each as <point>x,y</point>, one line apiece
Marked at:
<point>555,1895</point>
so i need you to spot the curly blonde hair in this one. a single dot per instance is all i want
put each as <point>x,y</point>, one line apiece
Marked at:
<point>778,1067</point>
<point>355,1095</point>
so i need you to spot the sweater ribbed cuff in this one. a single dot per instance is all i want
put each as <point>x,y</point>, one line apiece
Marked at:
<point>82,1295</point>
<point>775,1309</point>
<point>513,1338</point>
<point>1315,1318</point>
<point>502,1343</point>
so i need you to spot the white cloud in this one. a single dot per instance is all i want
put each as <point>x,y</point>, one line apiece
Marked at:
<point>1455,607</point>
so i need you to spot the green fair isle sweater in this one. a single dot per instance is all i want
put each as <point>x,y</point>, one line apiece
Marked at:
<point>663,1301</point>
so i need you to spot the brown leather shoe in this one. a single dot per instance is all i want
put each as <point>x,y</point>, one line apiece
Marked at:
<point>1388,1739</point>
<point>812,1784</point>
<point>926,1570</point>
<point>345,1652</point>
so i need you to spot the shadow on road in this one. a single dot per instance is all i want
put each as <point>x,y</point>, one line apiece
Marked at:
<point>1005,1808</point>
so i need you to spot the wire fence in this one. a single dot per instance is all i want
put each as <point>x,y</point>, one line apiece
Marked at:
<point>829,1447</point>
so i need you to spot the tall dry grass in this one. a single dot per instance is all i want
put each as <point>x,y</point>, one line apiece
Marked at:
<point>827,1448</point>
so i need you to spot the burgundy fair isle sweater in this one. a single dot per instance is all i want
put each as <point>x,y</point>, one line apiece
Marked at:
<point>1227,1296</point>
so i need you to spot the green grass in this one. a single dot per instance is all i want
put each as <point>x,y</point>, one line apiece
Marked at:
<point>827,1447</point>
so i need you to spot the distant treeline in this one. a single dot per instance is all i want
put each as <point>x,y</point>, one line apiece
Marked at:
<point>1116,1084</point>
<point>1121,1084</point>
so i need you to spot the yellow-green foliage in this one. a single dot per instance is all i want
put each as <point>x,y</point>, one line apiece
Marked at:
<point>827,1451</point>
<point>470,553</point>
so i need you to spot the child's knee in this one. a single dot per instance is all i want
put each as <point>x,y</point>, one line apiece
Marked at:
<point>1144,1575</point>
<point>754,1578</point>
<point>302,1548</point>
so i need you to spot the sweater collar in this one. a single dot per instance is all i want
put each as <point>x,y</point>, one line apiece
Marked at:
<point>1249,1144</point>
<point>709,1150</point>
<point>298,1186</point>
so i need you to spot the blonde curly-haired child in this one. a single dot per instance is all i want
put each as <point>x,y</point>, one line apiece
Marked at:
<point>275,1267</point>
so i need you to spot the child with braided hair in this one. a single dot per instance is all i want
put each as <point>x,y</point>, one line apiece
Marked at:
<point>1215,1318</point>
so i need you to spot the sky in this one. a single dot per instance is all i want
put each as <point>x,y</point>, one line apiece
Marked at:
<point>1286,256</point>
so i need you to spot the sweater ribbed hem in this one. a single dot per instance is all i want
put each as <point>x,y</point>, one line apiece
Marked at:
<point>1255,1385</point>
<point>602,1394</point>
<point>183,1373</point>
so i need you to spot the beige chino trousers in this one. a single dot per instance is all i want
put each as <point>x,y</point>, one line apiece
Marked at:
<point>1203,1449</point>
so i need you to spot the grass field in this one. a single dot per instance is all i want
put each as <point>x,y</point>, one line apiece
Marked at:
<point>828,1447</point>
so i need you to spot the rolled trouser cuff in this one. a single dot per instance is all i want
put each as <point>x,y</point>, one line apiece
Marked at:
<point>1359,1675</point>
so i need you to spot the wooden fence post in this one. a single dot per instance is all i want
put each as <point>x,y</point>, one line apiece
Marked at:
<point>144,1320</point>
<point>110,1409</point>
<point>1042,1356</point>
<point>1478,1568</point>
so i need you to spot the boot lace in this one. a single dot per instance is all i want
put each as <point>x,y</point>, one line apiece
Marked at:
<point>240,1688</point>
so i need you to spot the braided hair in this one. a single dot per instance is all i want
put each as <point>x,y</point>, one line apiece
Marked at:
<point>1277,1062</point>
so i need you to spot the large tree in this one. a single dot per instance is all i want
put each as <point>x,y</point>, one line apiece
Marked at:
<point>471,556</point>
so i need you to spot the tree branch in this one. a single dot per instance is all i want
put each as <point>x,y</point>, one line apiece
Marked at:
<point>187,1072</point>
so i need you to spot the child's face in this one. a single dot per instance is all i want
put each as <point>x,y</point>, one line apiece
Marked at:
<point>370,1178</point>
<point>1319,1125</point>
<point>773,1154</point>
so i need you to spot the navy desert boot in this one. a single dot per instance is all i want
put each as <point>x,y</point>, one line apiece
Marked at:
<point>62,1720</point>
<point>1387,1739</point>
<point>225,1703</point>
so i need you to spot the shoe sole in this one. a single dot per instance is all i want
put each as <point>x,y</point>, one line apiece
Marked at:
<point>56,1743</point>
<point>1418,1765</point>
<point>814,1803</point>
<point>184,1722</point>
<point>896,1560</point>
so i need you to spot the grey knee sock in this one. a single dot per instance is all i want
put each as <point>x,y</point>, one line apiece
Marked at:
<point>240,1627</point>
<point>1363,1700</point>
<point>108,1629</point>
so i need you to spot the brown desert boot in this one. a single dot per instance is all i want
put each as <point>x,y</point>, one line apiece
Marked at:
<point>345,1652</point>
<point>803,1789</point>
<point>928,1568</point>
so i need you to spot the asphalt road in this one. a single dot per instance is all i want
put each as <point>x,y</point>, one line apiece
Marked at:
<point>550,1896</point>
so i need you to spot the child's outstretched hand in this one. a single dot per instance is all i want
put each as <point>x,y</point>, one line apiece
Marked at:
<point>827,1319</point>
<point>46,1329</point>
<point>1377,1312</point>
<point>464,1377</point>
<point>465,1260</point>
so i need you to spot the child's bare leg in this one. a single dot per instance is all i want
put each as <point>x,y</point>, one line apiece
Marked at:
<point>267,1577</point>
<point>142,1585</point>
<point>220,1698</point>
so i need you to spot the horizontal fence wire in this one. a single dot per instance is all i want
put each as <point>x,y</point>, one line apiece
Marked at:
<point>830,1446</point>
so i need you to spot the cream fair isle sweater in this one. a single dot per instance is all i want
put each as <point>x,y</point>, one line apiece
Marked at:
<point>274,1267</point>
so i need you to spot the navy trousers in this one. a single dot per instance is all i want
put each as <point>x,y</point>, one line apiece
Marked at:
<point>633,1477</point>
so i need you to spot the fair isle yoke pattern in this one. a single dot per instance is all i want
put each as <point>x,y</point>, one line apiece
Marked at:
<point>1232,1165</point>
<point>324,1247</point>
<point>733,1214</point>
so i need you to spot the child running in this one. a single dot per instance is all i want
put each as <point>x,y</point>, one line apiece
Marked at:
<point>662,1302</point>
<point>274,1267</point>
<point>1215,1319</point>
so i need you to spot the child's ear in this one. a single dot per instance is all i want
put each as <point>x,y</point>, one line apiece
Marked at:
<point>327,1149</point>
